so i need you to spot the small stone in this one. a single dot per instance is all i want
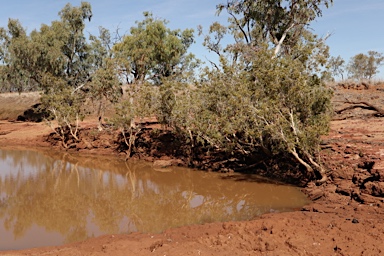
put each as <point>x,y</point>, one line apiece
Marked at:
<point>355,221</point>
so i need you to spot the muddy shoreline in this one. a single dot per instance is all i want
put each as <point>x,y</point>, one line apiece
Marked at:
<point>344,218</point>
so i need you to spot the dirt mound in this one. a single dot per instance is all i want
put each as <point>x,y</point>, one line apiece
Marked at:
<point>354,85</point>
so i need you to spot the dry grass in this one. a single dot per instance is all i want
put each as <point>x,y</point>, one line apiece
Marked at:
<point>14,104</point>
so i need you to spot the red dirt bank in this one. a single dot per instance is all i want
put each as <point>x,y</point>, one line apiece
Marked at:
<point>345,218</point>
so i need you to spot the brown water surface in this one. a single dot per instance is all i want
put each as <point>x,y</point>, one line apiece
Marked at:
<point>53,198</point>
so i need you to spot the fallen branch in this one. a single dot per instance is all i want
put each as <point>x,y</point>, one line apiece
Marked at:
<point>363,105</point>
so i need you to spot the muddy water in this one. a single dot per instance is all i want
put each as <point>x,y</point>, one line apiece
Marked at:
<point>52,198</point>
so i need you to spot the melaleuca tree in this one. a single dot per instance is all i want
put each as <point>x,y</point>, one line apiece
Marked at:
<point>283,110</point>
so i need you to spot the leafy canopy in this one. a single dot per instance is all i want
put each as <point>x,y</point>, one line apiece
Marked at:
<point>279,23</point>
<point>337,66</point>
<point>152,51</point>
<point>62,63</point>
<point>266,96</point>
<point>365,66</point>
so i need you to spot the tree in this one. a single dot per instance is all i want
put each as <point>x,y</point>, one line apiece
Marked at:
<point>278,109</point>
<point>278,22</point>
<point>64,64</point>
<point>152,51</point>
<point>336,65</point>
<point>65,67</point>
<point>362,66</point>
<point>59,50</point>
<point>12,76</point>
<point>138,103</point>
<point>106,85</point>
<point>266,96</point>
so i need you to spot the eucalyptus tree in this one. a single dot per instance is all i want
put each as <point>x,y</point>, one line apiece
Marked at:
<point>60,60</point>
<point>152,51</point>
<point>267,94</point>
<point>12,76</point>
<point>151,54</point>
<point>106,84</point>
<point>337,66</point>
<point>279,23</point>
<point>365,66</point>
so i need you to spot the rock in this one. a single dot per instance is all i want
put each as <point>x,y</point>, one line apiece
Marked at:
<point>106,143</point>
<point>331,188</point>
<point>356,157</point>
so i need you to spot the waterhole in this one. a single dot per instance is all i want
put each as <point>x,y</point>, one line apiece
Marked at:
<point>49,198</point>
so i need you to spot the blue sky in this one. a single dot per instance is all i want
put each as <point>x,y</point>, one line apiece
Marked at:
<point>356,25</point>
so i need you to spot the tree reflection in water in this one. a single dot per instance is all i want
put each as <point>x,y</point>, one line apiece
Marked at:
<point>83,196</point>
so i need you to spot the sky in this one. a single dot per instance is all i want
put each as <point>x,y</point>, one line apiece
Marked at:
<point>356,26</point>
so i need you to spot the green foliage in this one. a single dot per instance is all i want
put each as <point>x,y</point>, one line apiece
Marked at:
<point>277,108</point>
<point>336,65</point>
<point>139,102</point>
<point>12,76</point>
<point>152,51</point>
<point>264,96</point>
<point>66,109</point>
<point>59,60</point>
<point>278,23</point>
<point>365,66</point>
<point>105,86</point>
<point>59,50</point>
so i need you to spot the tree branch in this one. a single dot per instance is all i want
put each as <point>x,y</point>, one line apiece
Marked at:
<point>239,26</point>
<point>280,43</point>
<point>366,105</point>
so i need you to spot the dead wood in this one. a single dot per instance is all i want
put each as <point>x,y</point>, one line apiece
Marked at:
<point>364,105</point>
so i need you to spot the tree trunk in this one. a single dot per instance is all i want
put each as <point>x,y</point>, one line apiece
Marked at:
<point>309,168</point>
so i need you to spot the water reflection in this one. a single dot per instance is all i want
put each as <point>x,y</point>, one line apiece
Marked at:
<point>54,198</point>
